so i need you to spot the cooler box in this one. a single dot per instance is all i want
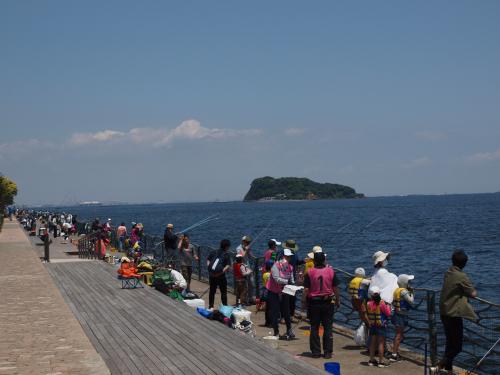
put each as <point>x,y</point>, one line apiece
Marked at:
<point>194,303</point>
<point>241,315</point>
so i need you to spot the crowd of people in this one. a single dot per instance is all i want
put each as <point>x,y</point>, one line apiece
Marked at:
<point>380,300</point>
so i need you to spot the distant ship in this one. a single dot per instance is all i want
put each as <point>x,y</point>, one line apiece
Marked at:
<point>90,203</point>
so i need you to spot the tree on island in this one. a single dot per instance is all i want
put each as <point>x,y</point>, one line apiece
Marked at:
<point>297,188</point>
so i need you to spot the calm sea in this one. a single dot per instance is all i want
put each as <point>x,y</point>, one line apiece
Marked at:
<point>421,232</point>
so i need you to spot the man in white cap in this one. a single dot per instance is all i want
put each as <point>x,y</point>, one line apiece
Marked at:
<point>271,253</point>
<point>402,303</point>
<point>170,240</point>
<point>281,275</point>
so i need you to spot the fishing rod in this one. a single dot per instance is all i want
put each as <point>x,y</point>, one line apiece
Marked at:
<point>360,231</point>
<point>196,225</point>
<point>199,223</point>
<point>469,372</point>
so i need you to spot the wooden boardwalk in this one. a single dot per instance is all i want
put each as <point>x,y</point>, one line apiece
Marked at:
<point>142,331</point>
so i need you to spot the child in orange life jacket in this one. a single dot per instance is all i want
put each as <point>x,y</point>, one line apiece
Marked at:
<point>378,314</point>
<point>402,302</point>
<point>358,290</point>
<point>241,271</point>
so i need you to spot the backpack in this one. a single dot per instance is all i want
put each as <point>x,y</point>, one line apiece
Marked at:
<point>216,265</point>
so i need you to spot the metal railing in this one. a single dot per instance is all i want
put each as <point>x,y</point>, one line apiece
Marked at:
<point>424,329</point>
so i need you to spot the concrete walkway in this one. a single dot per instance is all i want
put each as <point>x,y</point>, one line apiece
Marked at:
<point>353,359</point>
<point>39,333</point>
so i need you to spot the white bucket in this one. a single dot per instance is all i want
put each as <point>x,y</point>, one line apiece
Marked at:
<point>241,315</point>
<point>271,341</point>
<point>194,303</point>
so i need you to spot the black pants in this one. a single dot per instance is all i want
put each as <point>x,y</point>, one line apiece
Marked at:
<point>321,313</point>
<point>454,331</point>
<point>215,282</point>
<point>279,304</point>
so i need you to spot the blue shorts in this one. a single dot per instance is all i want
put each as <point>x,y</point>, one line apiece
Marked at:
<point>378,331</point>
<point>399,320</point>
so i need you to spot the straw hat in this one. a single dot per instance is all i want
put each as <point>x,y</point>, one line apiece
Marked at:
<point>380,256</point>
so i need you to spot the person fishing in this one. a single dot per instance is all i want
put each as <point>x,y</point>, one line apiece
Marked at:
<point>320,288</point>
<point>278,302</point>
<point>244,250</point>
<point>294,262</point>
<point>454,306</point>
<point>378,314</point>
<point>170,240</point>
<point>402,303</point>
<point>187,254</point>
<point>218,263</point>
<point>358,290</point>
<point>271,253</point>
<point>386,281</point>
<point>241,272</point>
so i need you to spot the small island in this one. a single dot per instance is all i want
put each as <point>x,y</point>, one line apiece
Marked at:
<point>295,188</point>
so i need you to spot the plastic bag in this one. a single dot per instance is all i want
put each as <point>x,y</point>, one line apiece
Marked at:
<point>360,335</point>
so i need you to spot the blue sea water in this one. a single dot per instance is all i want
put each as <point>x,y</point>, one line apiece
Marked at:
<point>421,232</point>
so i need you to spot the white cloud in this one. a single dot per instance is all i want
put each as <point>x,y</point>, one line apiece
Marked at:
<point>418,162</point>
<point>101,136</point>
<point>294,132</point>
<point>431,135</point>
<point>484,156</point>
<point>189,129</point>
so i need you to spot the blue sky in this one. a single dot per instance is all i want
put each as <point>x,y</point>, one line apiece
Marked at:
<point>190,101</point>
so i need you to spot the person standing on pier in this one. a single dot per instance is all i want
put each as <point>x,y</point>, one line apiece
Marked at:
<point>218,263</point>
<point>454,306</point>
<point>170,242</point>
<point>121,234</point>
<point>320,287</point>
<point>187,253</point>
<point>245,252</point>
<point>278,302</point>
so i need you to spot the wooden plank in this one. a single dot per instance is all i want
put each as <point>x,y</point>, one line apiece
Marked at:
<point>151,333</point>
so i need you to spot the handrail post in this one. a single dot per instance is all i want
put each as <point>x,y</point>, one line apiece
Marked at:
<point>199,263</point>
<point>256,277</point>
<point>431,321</point>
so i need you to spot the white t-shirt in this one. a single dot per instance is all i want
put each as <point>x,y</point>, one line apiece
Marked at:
<point>179,280</point>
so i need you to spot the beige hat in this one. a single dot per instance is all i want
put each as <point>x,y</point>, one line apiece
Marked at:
<point>379,256</point>
<point>310,255</point>
<point>170,225</point>
<point>125,260</point>
<point>246,239</point>
<point>317,249</point>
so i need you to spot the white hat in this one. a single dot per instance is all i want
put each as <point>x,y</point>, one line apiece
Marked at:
<point>317,249</point>
<point>359,272</point>
<point>287,252</point>
<point>310,255</point>
<point>276,242</point>
<point>403,280</point>
<point>109,219</point>
<point>379,256</point>
<point>373,290</point>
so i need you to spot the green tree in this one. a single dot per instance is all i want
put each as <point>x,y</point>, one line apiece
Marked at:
<point>8,190</point>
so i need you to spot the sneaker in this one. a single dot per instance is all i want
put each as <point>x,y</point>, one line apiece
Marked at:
<point>290,334</point>
<point>395,357</point>
<point>372,362</point>
<point>383,364</point>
